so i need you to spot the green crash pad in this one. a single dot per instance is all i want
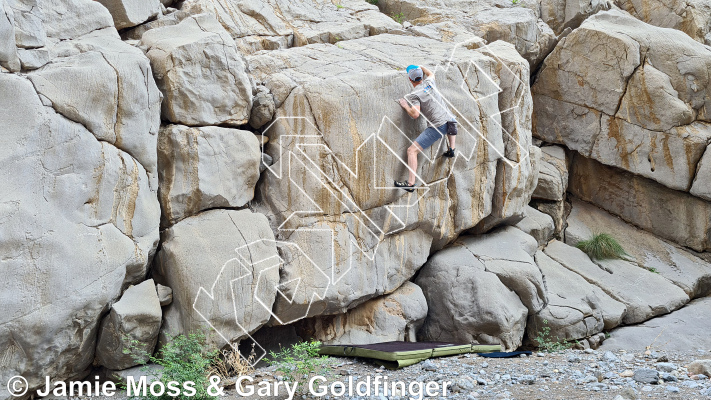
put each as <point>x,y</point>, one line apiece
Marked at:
<point>394,355</point>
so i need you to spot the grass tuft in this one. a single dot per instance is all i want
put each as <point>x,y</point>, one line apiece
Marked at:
<point>399,17</point>
<point>602,246</point>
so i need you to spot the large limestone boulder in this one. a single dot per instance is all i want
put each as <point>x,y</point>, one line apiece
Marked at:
<point>262,110</point>
<point>517,171</point>
<point>203,168</point>
<point>684,269</point>
<point>552,175</point>
<point>8,51</point>
<point>537,224</point>
<point>482,289</point>
<point>279,24</point>
<point>129,333</point>
<point>338,141</point>
<point>466,303</point>
<point>108,87</point>
<point>640,101</point>
<point>563,14</point>
<point>129,13</point>
<point>575,309</point>
<point>394,317</point>
<point>621,280</point>
<point>69,19</point>
<point>29,29</point>
<point>670,214</point>
<point>200,72</point>
<point>519,24</point>
<point>62,185</point>
<point>677,332</point>
<point>171,17</point>
<point>692,18</point>
<point>508,253</point>
<point>223,267</point>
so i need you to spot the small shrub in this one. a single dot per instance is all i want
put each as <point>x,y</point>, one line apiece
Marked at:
<point>398,17</point>
<point>602,246</point>
<point>515,2</point>
<point>183,358</point>
<point>230,363</point>
<point>373,2</point>
<point>546,343</point>
<point>299,362</point>
<point>339,6</point>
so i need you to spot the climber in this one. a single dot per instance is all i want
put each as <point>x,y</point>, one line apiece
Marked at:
<point>427,100</point>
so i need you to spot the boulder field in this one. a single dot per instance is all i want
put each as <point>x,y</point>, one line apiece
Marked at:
<point>224,166</point>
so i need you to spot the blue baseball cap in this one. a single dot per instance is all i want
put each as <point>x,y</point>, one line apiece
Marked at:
<point>415,73</point>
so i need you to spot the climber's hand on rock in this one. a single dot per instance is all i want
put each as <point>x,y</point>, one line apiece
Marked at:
<point>403,103</point>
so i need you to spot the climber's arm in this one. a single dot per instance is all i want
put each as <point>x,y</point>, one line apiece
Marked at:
<point>412,110</point>
<point>427,72</point>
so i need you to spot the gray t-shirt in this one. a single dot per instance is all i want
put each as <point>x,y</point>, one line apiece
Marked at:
<point>432,106</point>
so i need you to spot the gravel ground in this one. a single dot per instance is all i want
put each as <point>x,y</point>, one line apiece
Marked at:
<point>566,375</point>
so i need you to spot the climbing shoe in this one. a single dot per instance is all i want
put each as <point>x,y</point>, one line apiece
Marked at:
<point>449,153</point>
<point>404,185</point>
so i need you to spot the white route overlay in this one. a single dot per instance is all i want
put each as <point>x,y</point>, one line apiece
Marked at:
<point>298,156</point>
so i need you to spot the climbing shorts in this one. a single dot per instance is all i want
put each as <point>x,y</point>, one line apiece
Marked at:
<point>430,135</point>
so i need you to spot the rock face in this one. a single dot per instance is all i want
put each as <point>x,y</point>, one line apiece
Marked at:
<point>107,86</point>
<point>575,309</point>
<point>537,224</point>
<point>620,280</point>
<point>482,289</point>
<point>279,24</point>
<point>684,269</point>
<point>223,267</point>
<point>136,317</point>
<point>68,19</point>
<point>62,185</point>
<point>517,25</point>
<point>129,13</point>
<point>8,51</point>
<point>670,214</point>
<point>335,169</point>
<point>203,168</point>
<point>109,145</point>
<point>262,110</point>
<point>641,104</point>
<point>491,20</point>
<point>682,330</point>
<point>692,18</point>
<point>394,317</point>
<point>702,182</point>
<point>165,294</point>
<point>488,313</point>
<point>200,73</point>
<point>562,14</point>
<point>553,174</point>
<point>29,29</point>
<point>550,194</point>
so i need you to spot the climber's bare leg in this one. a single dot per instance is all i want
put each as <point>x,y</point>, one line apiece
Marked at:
<point>412,153</point>
<point>451,139</point>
